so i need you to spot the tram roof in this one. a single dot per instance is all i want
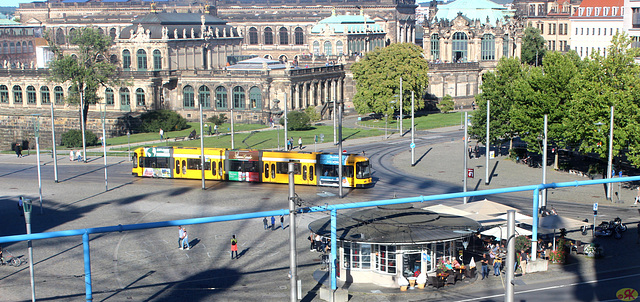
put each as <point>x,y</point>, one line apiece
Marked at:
<point>399,224</point>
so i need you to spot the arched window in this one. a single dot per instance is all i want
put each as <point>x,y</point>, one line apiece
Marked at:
<point>316,48</point>
<point>140,97</point>
<point>187,97</point>
<point>204,95</point>
<point>157,60</point>
<point>72,34</point>
<point>108,96</point>
<point>284,36</point>
<point>142,60</point>
<point>113,59</point>
<point>12,47</point>
<point>327,48</point>
<point>45,95</point>
<point>112,34</point>
<point>125,98</point>
<point>31,95</point>
<point>18,47</point>
<point>5,48</point>
<point>221,97</point>
<point>435,47</point>
<point>268,36</point>
<point>255,98</point>
<point>299,36</point>
<point>58,95</point>
<point>30,49</point>
<point>101,31</point>
<point>253,36</point>
<point>17,94</point>
<point>488,48</point>
<point>4,94</point>
<point>60,36</point>
<point>238,97</point>
<point>505,46</point>
<point>459,49</point>
<point>339,48</point>
<point>126,59</point>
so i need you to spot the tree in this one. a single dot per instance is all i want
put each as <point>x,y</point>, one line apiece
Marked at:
<point>86,68</point>
<point>296,120</point>
<point>312,113</point>
<point>604,82</point>
<point>446,104</point>
<point>533,46</point>
<point>218,120</point>
<point>378,75</point>
<point>155,120</point>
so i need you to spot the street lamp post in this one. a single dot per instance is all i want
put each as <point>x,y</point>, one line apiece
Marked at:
<point>610,161</point>
<point>36,130</point>
<point>486,172</point>
<point>104,146</point>
<point>285,119</point>
<point>26,206</point>
<point>232,136</point>
<point>413,128</point>
<point>53,143</point>
<point>464,155</point>
<point>201,144</point>
<point>276,101</point>
<point>84,141</point>
<point>401,101</point>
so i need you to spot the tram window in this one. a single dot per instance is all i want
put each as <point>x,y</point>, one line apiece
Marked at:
<point>177,166</point>
<point>347,171</point>
<point>193,163</point>
<point>235,165</point>
<point>154,162</point>
<point>135,160</point>
<point>304,173</point>
<point>207,165</point>
<point>142,161</point>
<point>273,171</point>
<point>220,168</point>
<point>251,166</point>
<point>184,167</point>
<point>310,172</point>
<point>363,169</point>
<point>330,171</point>
<point>283,168</point>
<point>266,170</point>
<point>213,168</point>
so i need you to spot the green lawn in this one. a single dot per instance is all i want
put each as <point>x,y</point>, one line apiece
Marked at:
<point>431,121</point>
<point>269,139</point>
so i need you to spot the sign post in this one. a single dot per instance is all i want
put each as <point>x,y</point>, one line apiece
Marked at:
<point>595,213</point>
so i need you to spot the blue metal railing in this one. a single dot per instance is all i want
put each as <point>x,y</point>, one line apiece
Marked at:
<point>332,208</point>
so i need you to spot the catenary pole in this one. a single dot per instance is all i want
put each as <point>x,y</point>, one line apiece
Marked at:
<point>53,143</point>
<point>292,235</point>
<point>610,162</point>
<point>543,197</point>
<point>465,155</point>
<point>202,160</point>
<point>413,130</point>
<point>401,101</point>
<point>486,144</point>
<point>511,247</point>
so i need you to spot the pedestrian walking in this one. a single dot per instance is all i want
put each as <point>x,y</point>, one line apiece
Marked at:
<point>265,222</point>
<point>21,205</point>
<point>282,221</point>
<point>300,143</point>
<point>209,129</point>
<point>312,239</point>
<point>161,134</point>
<point>206,128</point>
<point>18,150</point>
<point>234,247</point>
<point>70,155</point>
<point>485,266</point>
<point>273,223</point>
<point>637,196</point>
<point>180,236</point>
<point>78,155</point>
<point>215,129</point>
<point>497,263</point>
<point>184,236</point>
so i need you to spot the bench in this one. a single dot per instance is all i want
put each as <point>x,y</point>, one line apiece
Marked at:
<point>194,137</point>
<point>179,138</point>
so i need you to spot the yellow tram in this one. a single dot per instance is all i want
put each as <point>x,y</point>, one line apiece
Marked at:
<point>310,168</point>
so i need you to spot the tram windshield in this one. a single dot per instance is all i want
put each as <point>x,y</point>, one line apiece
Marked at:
<point>363,170</point>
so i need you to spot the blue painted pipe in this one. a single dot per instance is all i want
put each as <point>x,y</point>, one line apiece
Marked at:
<point>334,250</point>
<point>87,267</point>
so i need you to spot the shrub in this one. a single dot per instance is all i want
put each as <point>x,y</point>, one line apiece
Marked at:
<point>167,120</point>
<point>297,120</point>
<point>314,116</point>
<point>73,138</point>
<point>522,243</point>
<point>446,104</point>
<point>218,120</point>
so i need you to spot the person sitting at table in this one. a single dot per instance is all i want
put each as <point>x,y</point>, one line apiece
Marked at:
<point>455,264</point>
<point>448,265</point>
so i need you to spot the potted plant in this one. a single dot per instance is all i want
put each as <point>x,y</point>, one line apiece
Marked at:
<point>560,254</point>
<point>593,250</point>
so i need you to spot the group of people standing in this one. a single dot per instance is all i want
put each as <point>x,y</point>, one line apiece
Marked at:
<point>319,243</point>
<point>494,258</point>
<point>290,144</point>
<point>272,226</point>
<point>75,156</point>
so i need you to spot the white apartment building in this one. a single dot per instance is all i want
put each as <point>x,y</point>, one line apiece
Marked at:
<point>631,23</point>
<point>593,25</point>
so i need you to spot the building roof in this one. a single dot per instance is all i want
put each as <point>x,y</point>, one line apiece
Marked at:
<point>180,26</point>
<point>257,64</point>
<point>603,9</point>
<point>347,24</point>
<point>397,224</point>
<point>7,22</point>
<point>482,10</point>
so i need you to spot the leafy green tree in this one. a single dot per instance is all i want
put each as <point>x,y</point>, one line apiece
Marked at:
<point>312,113</point>
<point>378,75</point>
<point>153,121</point>
<point>446,104</point>
<point>73,138</point>
<point>601,83</point>
<point>86,66</point>
<point>218,120</point>
<point>296,120</point>
<point>533,46</point>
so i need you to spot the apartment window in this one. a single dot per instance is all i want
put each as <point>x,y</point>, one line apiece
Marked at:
<point>268,36</point>
<point>597,11</point>
<point>541,11</point>
<point>532,9</point>
<point>157,60</point>
<point>140,101</point>
<point>488,50</point>
<point>108,96</point>
<point>587,31</point>
<point>299,36</point>
<point>581,31</point>
<point>126,59</point>
<point>435,47</point>
<point>188,100</point>
<point>553,43</point>
<point>605,11</point>
<point>589,11</point>
<point>31,95</point>
<point>58,94</point>
<point>554,29</point>
<point>635,17</point>
<point>635,42</point>
<point>614,11</point>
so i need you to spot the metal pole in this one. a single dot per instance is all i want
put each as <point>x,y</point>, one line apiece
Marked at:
<point>232,135</point>
<point>334,251</point>
<point>386,120</point>
<point>340,150</point>
<point>84,141</point>
<point>543,199</point>
<point>292,235</point>
<point>87,267</point>
<point>278,133</point>
<point>401,101</point>
<point>511,255</point>
<point>464,155</point>
<point>413,130</point>
<point>201,145</point>
<point>286,133</point>
<point>39,174</point>
<point>53,142</point>
<point>610,163</point>
<point>534,236</point>
<point>26,206</point>
<point>486,144</point>
<point>104,148</point>
<point>335,120</point>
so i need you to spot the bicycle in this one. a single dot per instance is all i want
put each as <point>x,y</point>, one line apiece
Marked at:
<point>12,260</point>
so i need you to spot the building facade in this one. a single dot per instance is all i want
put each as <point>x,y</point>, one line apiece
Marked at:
<point>552,18</point>
<point>594,24</point>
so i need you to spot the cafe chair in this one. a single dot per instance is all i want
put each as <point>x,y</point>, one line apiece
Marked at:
<point>451,279</point>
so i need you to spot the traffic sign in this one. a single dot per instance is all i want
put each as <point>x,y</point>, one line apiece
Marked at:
<point>470,173</point>
<point>595,206</point>
<point>413,145</point>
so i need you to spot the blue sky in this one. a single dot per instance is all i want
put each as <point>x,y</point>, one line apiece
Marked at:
<point>14,2</point>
